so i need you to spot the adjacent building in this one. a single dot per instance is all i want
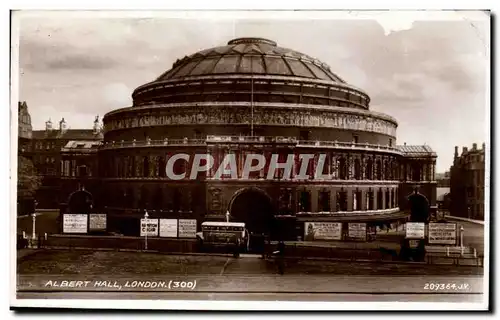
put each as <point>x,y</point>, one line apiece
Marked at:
<point>46,150</point>
<point>467,181</point>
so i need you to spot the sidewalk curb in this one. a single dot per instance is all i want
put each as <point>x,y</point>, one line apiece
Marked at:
<point>465,219</point>
<point>291,258</point>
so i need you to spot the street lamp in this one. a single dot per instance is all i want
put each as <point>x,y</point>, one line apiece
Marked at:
<point>227,216</point>
<point>146,231</point>
<point>34,225</point>
<point>462,239</point>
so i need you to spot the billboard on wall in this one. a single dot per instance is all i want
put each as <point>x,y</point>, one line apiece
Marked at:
<point>149,227</point>
<point>187,228</point>
<point>357,231</point>
<point>322,231</point>
<point>168,228</point>
<point>74,223</point>
<point>97,221</point>
<point>443,233</point>
<point>415,230</point>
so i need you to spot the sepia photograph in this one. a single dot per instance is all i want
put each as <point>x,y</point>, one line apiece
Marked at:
<point>227,160</point>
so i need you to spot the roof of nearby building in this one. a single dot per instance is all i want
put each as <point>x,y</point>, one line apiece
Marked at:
<point>416,150</point>
<point>70,134</point>
<point>81,144</point>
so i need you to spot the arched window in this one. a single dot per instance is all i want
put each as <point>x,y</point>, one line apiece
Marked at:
<point>357,169</point>
<point>416,172</point>
<point>380,199</point>
<point>162,165</point>
<point>369,169</point>
<point>145,167</point>
<point>378,169</point>
<point>369,200</point>
<point>342,200</point>
<point>387,171</point>
<point>342,169</point>
<point>387,199</point>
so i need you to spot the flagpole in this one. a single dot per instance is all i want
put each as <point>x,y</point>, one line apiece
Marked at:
<point>251,96</point>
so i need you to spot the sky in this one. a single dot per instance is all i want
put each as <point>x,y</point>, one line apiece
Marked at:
<point>428,71</point>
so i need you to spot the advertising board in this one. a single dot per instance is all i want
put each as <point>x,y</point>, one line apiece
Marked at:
<point>168,228</point>
<point>357,231</point>
<point>443,233</point>
<point>149,227</point>
<point>97,221</point>
<point>415,230</point>
<point>187,228</point>
<point>75,223</point>
<point>322,231</point>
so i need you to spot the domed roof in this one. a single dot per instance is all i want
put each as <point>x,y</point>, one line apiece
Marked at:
<point>250,56</point>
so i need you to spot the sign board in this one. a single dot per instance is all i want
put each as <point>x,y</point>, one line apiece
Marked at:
<point>322,231</point>
<point>97,221</point>
<point>357,231</point>
<point>443,233</point>
<point>415,230</point>
<point>74,223</point>
<point>168,228</point>
<point>187,228</point>
<point>149,227</point>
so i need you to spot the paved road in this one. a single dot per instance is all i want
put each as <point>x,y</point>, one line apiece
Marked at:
<point>133,275</point>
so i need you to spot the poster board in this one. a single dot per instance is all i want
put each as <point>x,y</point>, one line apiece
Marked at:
<point>357,231</point>
<point>149,227</point>
<point>97,221</point>
<point>168,228</point>
<point>443,233</point>
<point>322,231</point>
<point>415,230</point>
<point>75,223</point>
<point>187,228</point>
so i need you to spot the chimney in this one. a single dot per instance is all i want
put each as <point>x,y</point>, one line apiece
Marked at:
<point>62,126</point>
<point>405,143</point>
<point>48,125</point>
<point>474,146</point>
<point>464,150</point>
<point>484,146</point>
<point>97,127</point>
<point>456,151</point>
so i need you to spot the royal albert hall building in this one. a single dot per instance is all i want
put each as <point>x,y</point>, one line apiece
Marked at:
<point>253,97</point>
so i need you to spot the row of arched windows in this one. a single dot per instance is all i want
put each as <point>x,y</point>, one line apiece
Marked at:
<point>340,167</point>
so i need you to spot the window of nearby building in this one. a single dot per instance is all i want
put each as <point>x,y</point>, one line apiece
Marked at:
<point>305,201</point>
<point>342,200</point>
<point>324,201</point>
<point>145,167</point>
<point>370,200</point>
<point>355,138</point>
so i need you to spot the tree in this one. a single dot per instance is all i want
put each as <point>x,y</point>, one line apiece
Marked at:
<point>28,181</point>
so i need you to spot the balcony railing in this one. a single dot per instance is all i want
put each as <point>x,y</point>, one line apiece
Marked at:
<point>211,139</point>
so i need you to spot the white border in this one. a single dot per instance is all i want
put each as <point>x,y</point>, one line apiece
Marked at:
<point>246,305</point>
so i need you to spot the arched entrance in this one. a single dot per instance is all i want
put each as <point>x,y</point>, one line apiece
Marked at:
<point>80,201</point>
<point>253,207</point>
<point>419,207</point>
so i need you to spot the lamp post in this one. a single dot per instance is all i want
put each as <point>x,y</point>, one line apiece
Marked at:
<point>34,225</point>
<point>146,232</point>
<point>462,239</point>
<point>227,216</point>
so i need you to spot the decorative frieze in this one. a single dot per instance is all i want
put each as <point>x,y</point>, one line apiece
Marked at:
<point>262,116</point>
